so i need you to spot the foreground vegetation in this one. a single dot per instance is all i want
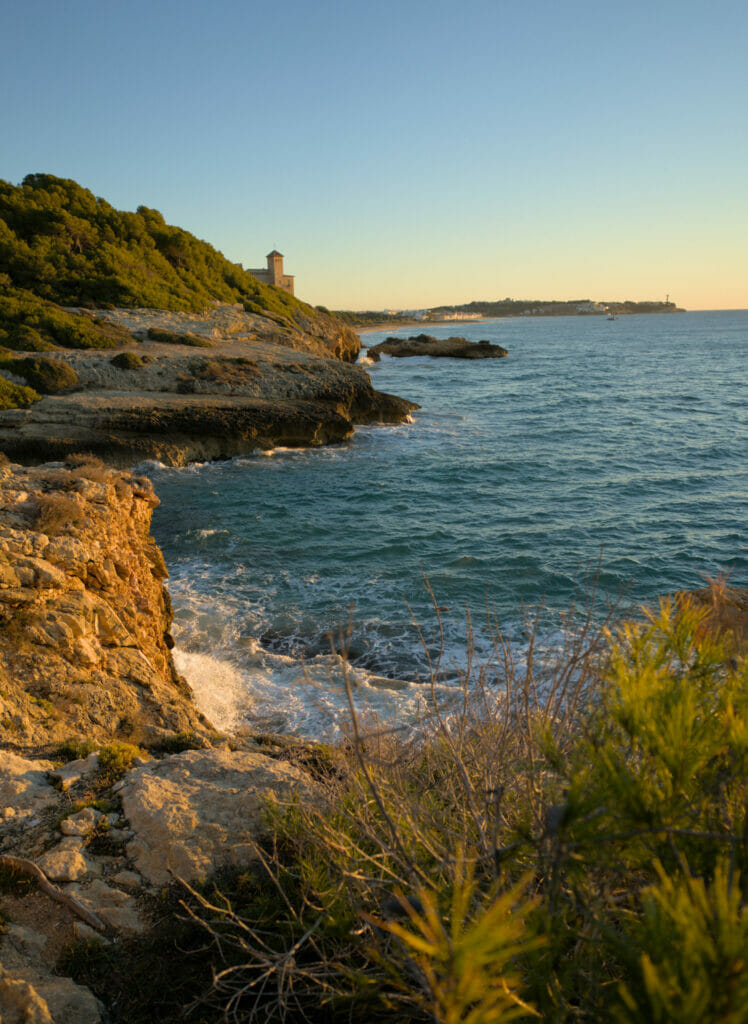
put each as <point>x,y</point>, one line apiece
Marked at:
<point>566,842</point>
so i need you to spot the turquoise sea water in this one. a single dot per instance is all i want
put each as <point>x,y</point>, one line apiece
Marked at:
<point>620,442</point>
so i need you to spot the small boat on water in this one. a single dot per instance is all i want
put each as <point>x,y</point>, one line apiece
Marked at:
<point>612,316</point>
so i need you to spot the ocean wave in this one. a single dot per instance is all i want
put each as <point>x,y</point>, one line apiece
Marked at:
<point>259,690</point>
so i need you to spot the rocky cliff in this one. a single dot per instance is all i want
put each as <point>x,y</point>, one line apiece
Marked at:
<point>84,616</point>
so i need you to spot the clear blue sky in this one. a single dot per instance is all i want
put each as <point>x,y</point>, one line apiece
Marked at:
<point>406,153</point>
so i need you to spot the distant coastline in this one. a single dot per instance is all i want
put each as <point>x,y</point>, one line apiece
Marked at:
<point>363,321</point>
<point>396,325</point>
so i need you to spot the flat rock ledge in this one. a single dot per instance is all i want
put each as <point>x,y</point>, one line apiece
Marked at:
<point>196,811</point>
<point>177,403</point>
<point>426,345</point>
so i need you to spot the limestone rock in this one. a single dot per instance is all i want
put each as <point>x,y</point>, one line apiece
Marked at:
<point>128,879</point>
<point>24,788</point>
<point>260,384</point>
<point>80,824</point>
<point>74,771</point>
<point>117,909</point>
<point>64,862</point>
<point>20,1003</point>
<point>83,621</point>
<point>196,811</point>
<point>30,993</point>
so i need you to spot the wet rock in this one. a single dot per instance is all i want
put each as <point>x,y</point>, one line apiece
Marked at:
<point>426,345</point>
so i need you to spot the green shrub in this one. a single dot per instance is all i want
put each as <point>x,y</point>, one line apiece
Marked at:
<point>22,312</point>
<point>74,750</point>
<point>178,742</point>
<point>16,396</point>
<point>174,338</point>
<point>115,759</point>
<point>25,339</point>
<point>225,371</point>
<point>47,376</point>
<point>128,361</point>
<point>688,950</point>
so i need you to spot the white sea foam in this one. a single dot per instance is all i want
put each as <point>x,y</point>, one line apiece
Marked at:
<point>217,685</point>
<point>269,692</point>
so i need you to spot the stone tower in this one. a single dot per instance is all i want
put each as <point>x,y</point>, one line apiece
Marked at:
<point>274,274</point>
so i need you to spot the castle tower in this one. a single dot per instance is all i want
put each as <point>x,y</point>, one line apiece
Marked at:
<point>275,267</point>
<point>274,273</point>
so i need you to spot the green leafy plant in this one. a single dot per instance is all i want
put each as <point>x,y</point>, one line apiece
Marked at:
<point>115,759</point>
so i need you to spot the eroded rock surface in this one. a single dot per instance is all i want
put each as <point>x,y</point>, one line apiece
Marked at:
<point>30,993</point>
<point>84,617</point>
<point>24,786</point>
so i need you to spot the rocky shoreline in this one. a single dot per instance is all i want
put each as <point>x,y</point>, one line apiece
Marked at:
<point>112,783</point>
<point>235,383</point>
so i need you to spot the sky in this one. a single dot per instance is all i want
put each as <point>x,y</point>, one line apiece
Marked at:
<point>406,153</point>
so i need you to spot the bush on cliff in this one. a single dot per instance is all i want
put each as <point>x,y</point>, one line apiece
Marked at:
<point>16,396</point>
<point>47,376</point>
<point>62,244</point>
<point>128,361</point>
<point>175,338</point>
<point>33,324</point>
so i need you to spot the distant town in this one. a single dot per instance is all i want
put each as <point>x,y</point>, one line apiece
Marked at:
<point>507,307</point>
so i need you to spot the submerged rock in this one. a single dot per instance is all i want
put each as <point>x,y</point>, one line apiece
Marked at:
<point>426,345</point>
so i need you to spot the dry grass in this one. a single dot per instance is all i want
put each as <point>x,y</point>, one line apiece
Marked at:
<point>57,513</point>
<point>495,861</point>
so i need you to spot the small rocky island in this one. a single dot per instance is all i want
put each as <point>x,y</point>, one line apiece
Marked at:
<point>426,345</point>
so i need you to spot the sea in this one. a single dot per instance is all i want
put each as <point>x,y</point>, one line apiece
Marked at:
<point>601,462</point>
